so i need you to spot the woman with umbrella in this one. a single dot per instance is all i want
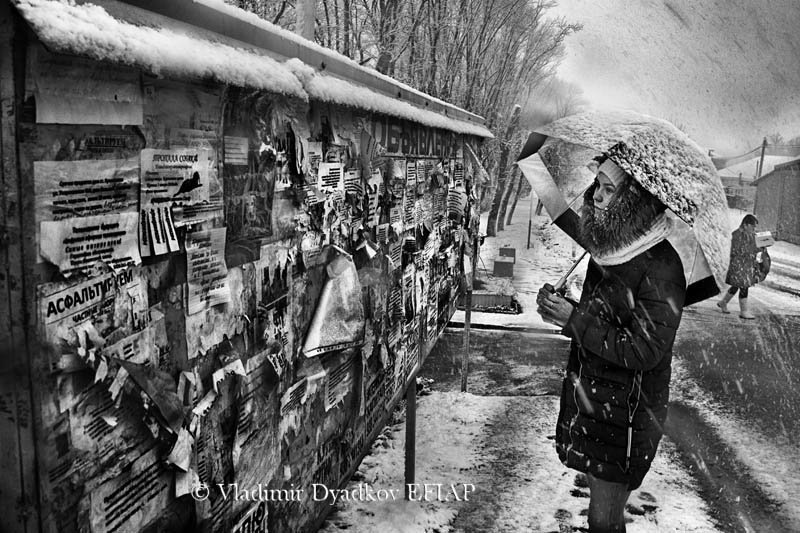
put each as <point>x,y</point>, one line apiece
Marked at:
<point>616,389</point>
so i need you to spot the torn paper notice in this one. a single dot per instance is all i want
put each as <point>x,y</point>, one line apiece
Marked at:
<point>138,495</point>
<point>75,245</point>
<point>352,182</point>
<point>60,109</point>
<point>234,367</point>
<point>258,208</point>
<point>138,348</point>
<point>118,383</point>
<point>255,519</point>
<point>313,161</point>
<point>187,386</point>
<point>186,482</point>
<point>376,191</point>
<point>174,176</point>
<point>102,370</point>
<point>291,403</point>
<point>79,91</point>
<point>181,453</point>
<point>274,337</point>
<point>331,177</point>
<point>173,182</point>
<point>411,175</point>
<point>338,384</point>
<point>236,149</point>
<point>256,448</point>
<point>206,273</point>
<point>72,189</point>
<point>161,389</point>
<point>115,306</point>
<point>338,321</point>
<point>205,404</point>
<point>456,204</point>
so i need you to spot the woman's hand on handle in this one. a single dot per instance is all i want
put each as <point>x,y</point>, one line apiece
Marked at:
<point>553,307</point>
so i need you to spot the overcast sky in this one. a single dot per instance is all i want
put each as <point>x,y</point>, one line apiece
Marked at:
<point>727,71</point>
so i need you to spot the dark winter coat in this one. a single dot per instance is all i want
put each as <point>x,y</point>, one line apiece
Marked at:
<point>742,267</point>
<point>615,393</point>
<point>614,397</point>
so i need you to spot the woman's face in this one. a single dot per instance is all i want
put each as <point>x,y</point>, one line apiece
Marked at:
<point>604,191</point>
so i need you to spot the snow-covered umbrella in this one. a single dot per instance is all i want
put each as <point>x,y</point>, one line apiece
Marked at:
<point>557,161</point>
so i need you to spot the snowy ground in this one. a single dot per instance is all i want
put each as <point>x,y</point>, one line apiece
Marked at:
<point>771,462</point>
<point>502,444</point>
<point>463,438</point>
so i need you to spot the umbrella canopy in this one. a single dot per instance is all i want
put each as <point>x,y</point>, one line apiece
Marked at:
<point>663,159</point>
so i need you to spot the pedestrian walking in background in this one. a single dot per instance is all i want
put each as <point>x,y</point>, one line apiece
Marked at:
<point>614,397</point>
<point>744,268</point>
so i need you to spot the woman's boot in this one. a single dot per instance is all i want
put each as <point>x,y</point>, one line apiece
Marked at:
<point>744,309</point>
<point>723,304</point>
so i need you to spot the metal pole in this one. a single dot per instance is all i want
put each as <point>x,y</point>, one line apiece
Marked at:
<point>530,218</point>
<point>465,350</point>
<point>760,168</point>
<point>468,315</point>
<point>411,434</point>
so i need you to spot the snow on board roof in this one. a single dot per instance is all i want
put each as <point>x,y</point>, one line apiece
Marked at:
<point>331,55</point>
<point>108,30</point>
<point>89,30</point>
<point>336,90</point>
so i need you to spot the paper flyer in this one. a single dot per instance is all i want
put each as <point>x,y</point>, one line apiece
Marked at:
<point>75,245</point>
<point>331,177</point>
<point>206,273</point>
<point>72,189</point>
<point>172,181</point>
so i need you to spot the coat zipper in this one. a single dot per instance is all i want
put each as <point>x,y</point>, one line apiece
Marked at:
<point>575,384</point>
<point>637,382</point>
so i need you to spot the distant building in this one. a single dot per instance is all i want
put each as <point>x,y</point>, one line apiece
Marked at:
<point>777,203</point>
<point>740,194</point>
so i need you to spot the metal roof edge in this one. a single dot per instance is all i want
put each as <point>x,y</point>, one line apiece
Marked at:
<point>258,33</point>
<point>777,168</point>
<point>788,164</point>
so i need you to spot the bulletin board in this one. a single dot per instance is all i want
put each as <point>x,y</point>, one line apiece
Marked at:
<point>232,286</point>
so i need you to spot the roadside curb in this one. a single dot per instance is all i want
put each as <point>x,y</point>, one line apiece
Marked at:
<point>496,327</point>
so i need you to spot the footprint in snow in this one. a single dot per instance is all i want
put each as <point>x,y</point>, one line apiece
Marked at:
<point>564,519</point>
<point>642,507</point>
<point>582,486</point>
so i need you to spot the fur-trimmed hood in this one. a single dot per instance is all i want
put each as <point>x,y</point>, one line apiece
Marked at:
<point>629,216</point>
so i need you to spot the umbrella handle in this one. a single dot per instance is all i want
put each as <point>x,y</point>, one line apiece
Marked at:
<point>561,284</point>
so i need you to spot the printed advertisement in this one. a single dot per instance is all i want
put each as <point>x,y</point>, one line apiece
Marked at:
<point>206,272</point>
<point>258,199</point>
<point>104,315</point>
<point>71,189</point>
<point>75,245</point>
<point>174,193</point>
